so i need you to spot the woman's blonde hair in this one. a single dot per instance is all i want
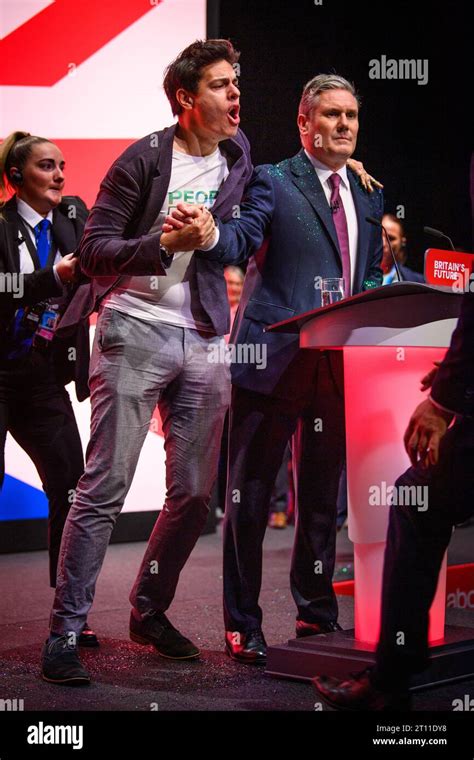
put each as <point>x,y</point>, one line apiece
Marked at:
<point>15,151</point>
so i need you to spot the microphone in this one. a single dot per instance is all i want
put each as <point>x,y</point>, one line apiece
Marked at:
<point>334,207</point>
<point>438,234</point>
<point>375,221</point>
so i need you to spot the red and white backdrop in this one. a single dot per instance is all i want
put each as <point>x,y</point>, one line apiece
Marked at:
<point>88,75</point>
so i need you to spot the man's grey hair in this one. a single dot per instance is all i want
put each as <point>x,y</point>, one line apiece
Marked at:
<point>320,83</point>
<point>236,271</point>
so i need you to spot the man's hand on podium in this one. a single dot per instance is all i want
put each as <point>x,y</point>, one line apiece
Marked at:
<point>427,426</point>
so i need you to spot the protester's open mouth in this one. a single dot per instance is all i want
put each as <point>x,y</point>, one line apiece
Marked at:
<point>233,115</point>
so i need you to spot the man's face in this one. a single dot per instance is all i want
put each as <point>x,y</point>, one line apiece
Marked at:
<point>216,106</point>
<point>234,286</point>
<point>396,238</point>
<point>329,133</point>
<point>43,178</point>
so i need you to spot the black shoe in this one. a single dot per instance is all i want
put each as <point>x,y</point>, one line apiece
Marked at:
<point>61,663</point>
<point>250,648</point>
<point>359,693</point>
<point>88,638</point>
<point>315,629</point>
<point>166,639</point>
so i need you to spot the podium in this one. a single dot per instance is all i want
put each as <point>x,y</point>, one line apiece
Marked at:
<point>390,337</point>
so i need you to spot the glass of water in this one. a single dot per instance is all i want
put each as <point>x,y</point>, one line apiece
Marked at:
<point>332,290</point>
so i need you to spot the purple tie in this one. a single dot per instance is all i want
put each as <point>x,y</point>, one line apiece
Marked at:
<point>340,223</point>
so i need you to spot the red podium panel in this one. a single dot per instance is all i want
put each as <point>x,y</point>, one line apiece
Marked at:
<point>381,390</point>
<point>390,337</point>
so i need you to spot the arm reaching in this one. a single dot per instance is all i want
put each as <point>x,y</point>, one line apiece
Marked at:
<point>105,249</point>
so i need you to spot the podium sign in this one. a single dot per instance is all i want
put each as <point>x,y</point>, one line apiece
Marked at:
<point>450,270</point>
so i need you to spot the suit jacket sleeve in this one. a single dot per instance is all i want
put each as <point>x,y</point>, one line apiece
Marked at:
<point>453,386</point>
<point>104,250</point>
<point>240,238</point>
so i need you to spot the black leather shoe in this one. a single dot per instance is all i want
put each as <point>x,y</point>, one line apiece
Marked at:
<point>61,663</point>
<point>359,693</point>
<point>250,648</point>
<point>88,638</point>
<point>166,639</point>
<point>314,629</point>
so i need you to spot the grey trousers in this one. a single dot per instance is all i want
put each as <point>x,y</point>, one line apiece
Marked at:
<point>136,365</point>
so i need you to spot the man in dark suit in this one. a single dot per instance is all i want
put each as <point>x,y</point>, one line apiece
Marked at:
<point>442,456</point>
<point>305,219</point>
<point>163,310</point>
<point>37,270</point>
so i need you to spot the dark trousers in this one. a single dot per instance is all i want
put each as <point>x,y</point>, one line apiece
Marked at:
<point>259,430</point>
<point>416,543</point>
<point>280,494</point>
<point>35,408</point>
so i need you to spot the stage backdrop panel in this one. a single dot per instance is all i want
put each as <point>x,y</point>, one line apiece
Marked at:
<point>88,76</point>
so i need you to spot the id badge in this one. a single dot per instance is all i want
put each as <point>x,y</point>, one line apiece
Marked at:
<point>47,324</point>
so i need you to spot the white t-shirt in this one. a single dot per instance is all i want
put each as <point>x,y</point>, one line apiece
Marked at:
<point>173,298</point>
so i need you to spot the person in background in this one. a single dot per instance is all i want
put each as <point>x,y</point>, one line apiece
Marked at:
<point>396,234</point>
<point>40,229</point>
<point>280,497</point>
<point>234,278</point>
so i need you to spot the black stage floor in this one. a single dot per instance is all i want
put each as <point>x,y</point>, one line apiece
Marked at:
<point>133,678</point>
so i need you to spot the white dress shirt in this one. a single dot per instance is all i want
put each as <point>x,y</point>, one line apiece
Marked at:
<point>324,172</point>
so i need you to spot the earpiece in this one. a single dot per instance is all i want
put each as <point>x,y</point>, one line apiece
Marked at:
<point>16,177</point>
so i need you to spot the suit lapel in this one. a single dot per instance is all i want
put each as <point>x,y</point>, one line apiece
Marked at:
<point>160,183</point>
<point>362,207</point>
<point>306,179</point>
<point>238,160</point>
<point>63,234</point>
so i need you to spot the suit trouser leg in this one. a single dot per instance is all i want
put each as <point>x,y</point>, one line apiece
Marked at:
<point>318,458</point>
<point>132,361</point>
<point>37,411</point>
<point>45,427</point>
<point>260,427</point>
<point>416,542</point>
<point>192,410</point>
